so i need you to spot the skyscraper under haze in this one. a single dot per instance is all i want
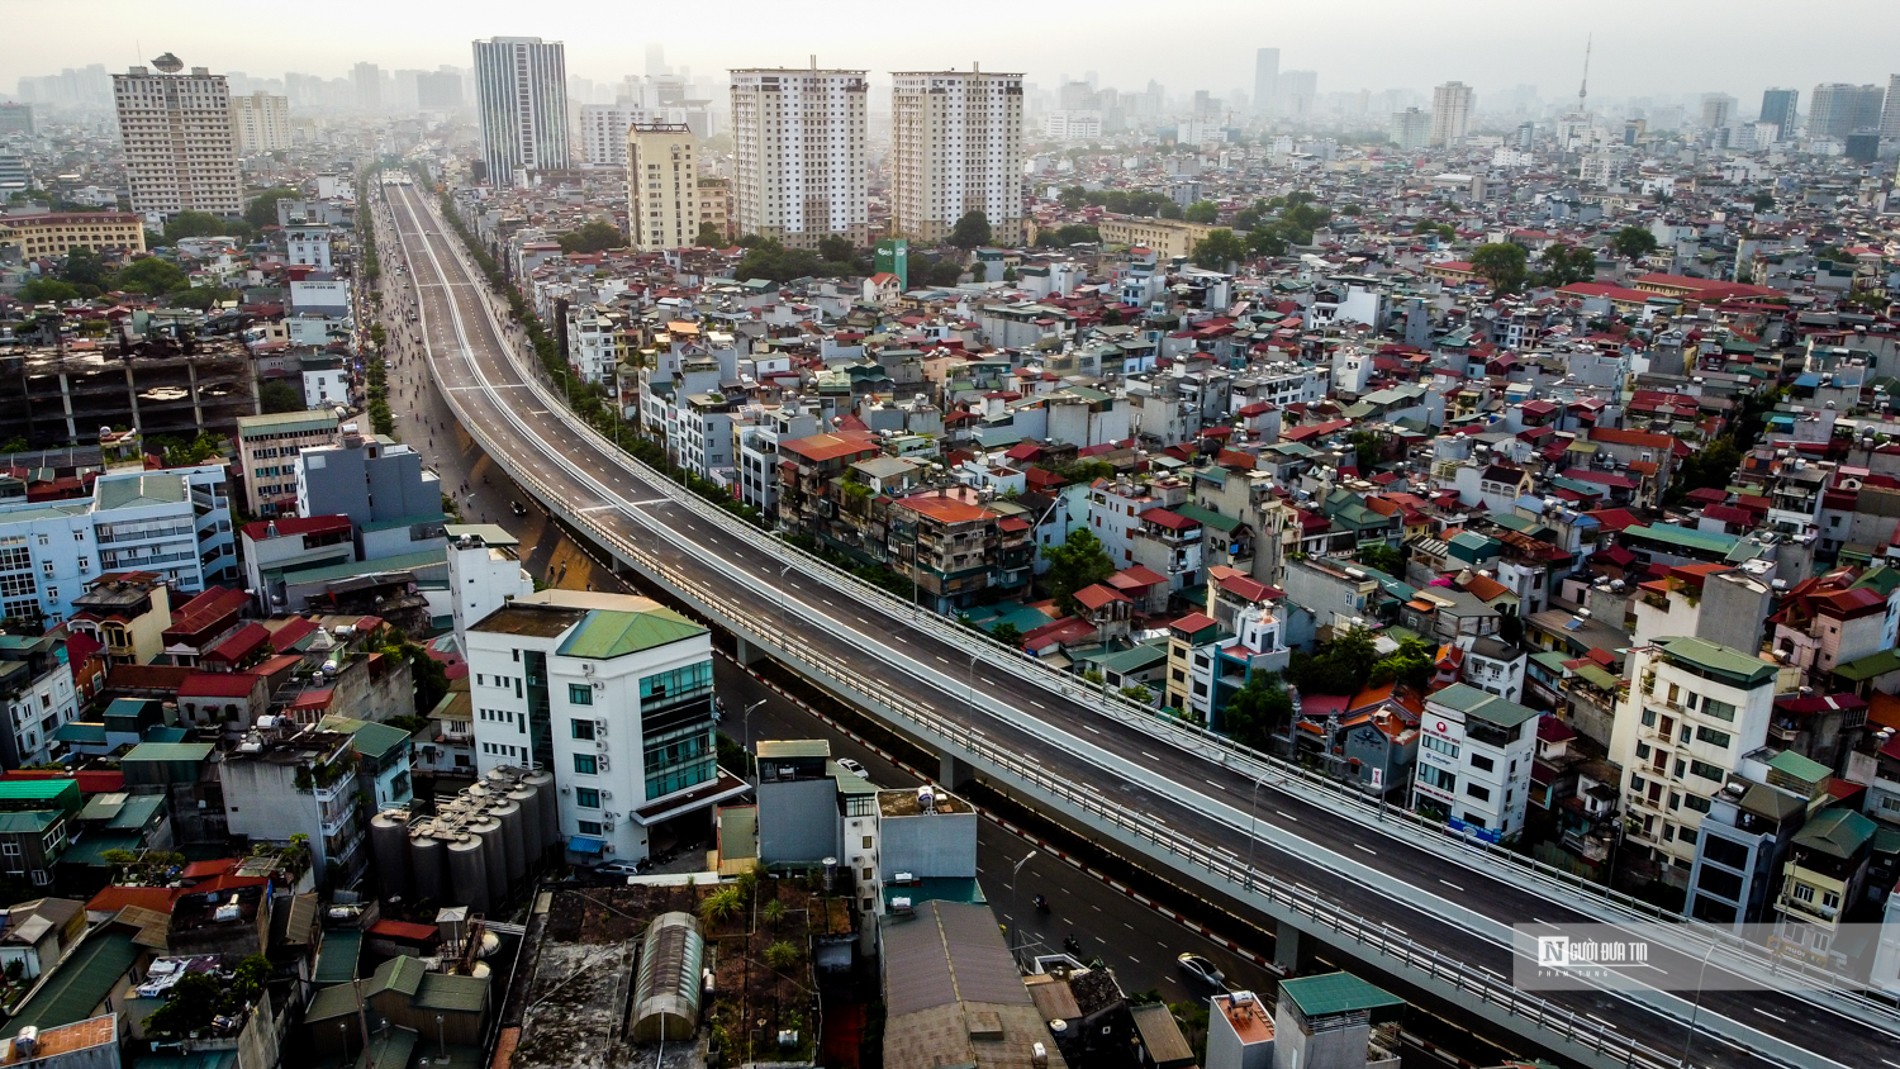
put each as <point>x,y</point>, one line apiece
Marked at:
<point>1778,107</point>
<point>1266,80</point>
<point>1451,113</point>
<point>521,95</point>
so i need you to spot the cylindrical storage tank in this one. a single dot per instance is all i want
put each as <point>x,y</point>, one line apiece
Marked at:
<point>533,844</point>
<point>425,864</point>
<point>494,857</point>
<point>468,872</point>
<point>389,844</point>
<point>511,817</point>
<point>501,779</point>
<point>543,783</point>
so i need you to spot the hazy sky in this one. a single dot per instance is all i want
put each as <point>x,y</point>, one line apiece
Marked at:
<point>1642,46</point>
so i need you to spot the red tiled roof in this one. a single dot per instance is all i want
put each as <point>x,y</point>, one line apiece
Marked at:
<point>294,526</point>
<point>217,685</point>
<point>822,447</point>
<point>292,630</point>
<point>406,931</point>
<point>205,610</point>
<point>243,642</point>
<point>1136,577</point>
<point>1095,595</point>
<point>1192,623</point>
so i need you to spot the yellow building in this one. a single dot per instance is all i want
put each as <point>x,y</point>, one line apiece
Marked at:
<point>52,233</point>
<point>662,186</point>
<point>715,207</point>
<point>1169,238</point>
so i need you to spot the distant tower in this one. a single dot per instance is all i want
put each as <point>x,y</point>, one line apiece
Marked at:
<point>1583,91</point>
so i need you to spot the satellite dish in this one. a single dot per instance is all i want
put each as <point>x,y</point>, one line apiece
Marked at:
<point>169,63</point>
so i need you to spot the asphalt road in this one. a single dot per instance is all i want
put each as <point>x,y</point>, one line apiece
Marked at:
<point>469,357</point>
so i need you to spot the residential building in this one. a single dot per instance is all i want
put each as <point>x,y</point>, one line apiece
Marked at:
<point>37,934</point>
<point>521,102</point>
<point>267,456</point>
<point>309,245</point>
<point>282,781</point>
<point>604,133</point>
<point>1168,239</point>
<point>485,572</point>
<point>1779,106</point>
<point>384,755</point>
<point>276,547</point>
<point>262,122</point>
<point>1693,709</point>
<point>799,155</point>
<point>180,146</point>
<point>1334,1021</point>
<point>1890,109</point>
<point>1266,79</point>
<point>1239,1031</point>
<point>1451,114</point>
<point>126,613</point>
<point>715,206</point>
<point>613,694</point>
<point>57,233</point>
<point>1738,857</point>
<point>1411,128</point>
<point>956,147</point>
<point>1824,878</point>
<point>36,690</point>
<point>381,485</point>
<point>35,819</point>
<point>662,186</point>
<point>1837,109</point>
<point>985,1018</point>
<point>1474,761</point>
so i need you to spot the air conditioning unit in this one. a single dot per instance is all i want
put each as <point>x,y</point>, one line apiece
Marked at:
<point>603,764</point>
<point>607,796</point>
<point>601,745</point>
<point>600,726</point>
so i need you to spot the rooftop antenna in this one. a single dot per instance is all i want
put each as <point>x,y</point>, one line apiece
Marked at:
<point>1583,91</point>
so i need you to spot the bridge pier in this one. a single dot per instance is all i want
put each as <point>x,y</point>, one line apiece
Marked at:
<point>746,653</point>
<point>952,770</point>
<point>1291,955</point>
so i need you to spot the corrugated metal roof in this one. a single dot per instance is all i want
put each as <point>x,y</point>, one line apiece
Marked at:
<point>950,953</point>
<point>1336,993</point>
<point>80,984</point>
<point>336,962</point>
<point>607,633</point>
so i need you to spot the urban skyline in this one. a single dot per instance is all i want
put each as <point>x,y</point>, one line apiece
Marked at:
<point>1645,63</point>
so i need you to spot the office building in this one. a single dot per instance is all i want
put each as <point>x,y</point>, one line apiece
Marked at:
<point>1838,109</point>
<point>180,148</point>
<point>1778,107</point>
<point>956,147</point>
<point>662,186</point>
<point>366,83</point>
<point>1411,129</point>
<point>1718,111</point>
<point>1266,80</point>
<point>1890,112</point>
<point>521,95</point>
<point>1474,761</point>
<point>381,485</point>
<point>1451,114</point>
<point>798,144</point>
<point>267,456</point>
<point>262,122</point>
<point>16,119</point>
<point>55,233</point>
<point>611,693</point>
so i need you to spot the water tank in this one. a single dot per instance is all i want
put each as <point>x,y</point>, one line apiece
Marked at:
<point>926,799</point>
<point>500,780</point>
<point>533,843</point>
<point>543,783</point>
<point>389,844</point>
<point>425,864</point>
<point>468,872</point>
<point>494,857</point>
<point>512,819</point>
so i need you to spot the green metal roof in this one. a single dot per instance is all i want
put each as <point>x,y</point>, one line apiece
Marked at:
<point>1341,992</point>
<point>1687,538</point>
<point>336,961</point>
<point>30,822</point>
<point>32,793</point>
<point>398,563</point>
<point>1869,667</point>
<point>1207,518</point>
<point>1726,663</point>
<point>1805,769</point>
<point>374,741</point>
<point>1838,833</point>
<point>442,991</point>
<point>608,633</point>
<point>794,748</point>
<point>92,849</point>
<point>139,491</point>
<point>1471,701</point>
<point>79,984</point>
<point>168,751</point>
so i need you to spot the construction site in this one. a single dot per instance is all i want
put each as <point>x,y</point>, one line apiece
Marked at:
<point>169,384</point>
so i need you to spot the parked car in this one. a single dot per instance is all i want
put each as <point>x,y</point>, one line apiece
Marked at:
<point>622,868</point>
<point>517,508</point>
<point>854,768</point>
<point>1203,970</point>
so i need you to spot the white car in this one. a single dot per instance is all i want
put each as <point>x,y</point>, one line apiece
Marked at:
<point>854,768</point>
<point>1203,970</point>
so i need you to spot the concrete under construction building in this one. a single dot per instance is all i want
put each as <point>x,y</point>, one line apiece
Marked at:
<point>60,395</point>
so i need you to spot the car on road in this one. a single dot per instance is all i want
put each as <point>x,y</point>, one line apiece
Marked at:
<point>1203,970</point>
<point>854,768</point>
<point>517,508</point>
<point>621,868</point>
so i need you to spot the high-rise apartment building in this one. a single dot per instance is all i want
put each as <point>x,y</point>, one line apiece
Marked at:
<point>1266,80</point>
<point>262,122</point>
<point>662,186</point>
<point>1890,115</point>
<point>1298,91</point>
<point>439,90</point>
<point>1411,128</point>
<point>180,149</point>
<point>956,147</point>
<point>366,81</point>
<point>1838,109</point>
<point>1718,111</point>
<point>604,133</point>
<point>1778,107</point>
<point>798,147</point>
<point>521,94</point>
<point>1451,113</point>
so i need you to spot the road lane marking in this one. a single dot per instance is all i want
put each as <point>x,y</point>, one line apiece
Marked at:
<point>945,660</point>
<point>1367,849</point>
<point>1212,784</point>
<point>1773,1016</point>
<point>1038,704</point>
<point>1149,756</point>
<point>1450,884</point>
<point>1288,817</point>
<point>1090,728</point>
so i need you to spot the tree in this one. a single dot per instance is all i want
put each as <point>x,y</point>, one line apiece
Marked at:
<point>280,396</point>
<point>592,236</point>
<point>1219,250</point>
<point>1169,210</point>
<point>84,269</point>
<point>199,297</point>
<point>200,225</point>
<point>1564,264</point>
<point>262,210</point>
<point>1633,242</point>
<point>1079,561</point>
<point>1368,447</point>
<point>1339,667</point>
<point>971,231</point>
<point>48,290</point>
<point>1502,264</point>
<point>722,905</point>
<point>1265,241</point>
<point>837,248</point>
<point>1071,234</point>
<point>783,956</point>
<point>1201,211</point>
<point>710,236</point>
<point>773,914</point>
<point>1073,197</point>
<point>1260,710</point>
<point>152,277</point>
<point>1382,558</point>
<point>1764,202</point>
<point>1411,665</point>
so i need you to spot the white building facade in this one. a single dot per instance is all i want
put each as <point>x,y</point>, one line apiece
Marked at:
<point>521,101</point>
<point>1474,761</point>
<point>262,122</point>
<point>799,151</point>
<point>180,146</point>
<point>956,147</point>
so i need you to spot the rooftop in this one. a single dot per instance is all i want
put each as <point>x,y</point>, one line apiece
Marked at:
<point>904,803</point>
<point>1330,994</point>
<point>1725,663</point>
<point>605,634</point>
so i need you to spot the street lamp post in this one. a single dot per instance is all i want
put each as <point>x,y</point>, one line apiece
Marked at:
<point>745,719</point>
<point>1695,1010</point>
<point>1015,903</point>
<point>1253,825</point>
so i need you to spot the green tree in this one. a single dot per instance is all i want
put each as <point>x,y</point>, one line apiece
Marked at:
<point>1071,234</point>
<point>1369,448</point>
<point>1168,210</point>
<point>1073,197</point>
<point>152,277</point>
<point>45,290</point>
<point>837,249</point>
<point>1502,264</point>
<point>200,225</point>
<point>1633,242</point>
<point>1381,557</point>
<point>83,268</point>
<point>1764,202</point>
<point>1411,664</point>
<point>710,236</point>
<point>783,956</point>
<point>773,914</point>
<point>1258,712</point>
<point>261,212</point>
<point>592,236</point>
<point>1201,211</point>
<point>722,905</point>
<point>1080,561</point>
<point>1339,667</point>
<point>971,231</point>
<point>1266,241</point>
<point>1563,264</point>
<point>1219,250</point>
<point>199,297</point>
<point>280,396</point>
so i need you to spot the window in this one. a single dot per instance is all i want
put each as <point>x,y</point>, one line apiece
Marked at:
<point>1482,763</point>
<point>588,827</point>
<point>1713,737</point>
<point>867,842</point>
<point>586,764</point>
<point>1705,770</point>
<point>580,728</point>
<point>587,797</point>
<point>580,694</point>
<point>1438,745</point>
<point>1722,711</point>
<point>1482,794</point>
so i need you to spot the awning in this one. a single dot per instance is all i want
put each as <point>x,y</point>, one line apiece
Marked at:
<point>585,844</point>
